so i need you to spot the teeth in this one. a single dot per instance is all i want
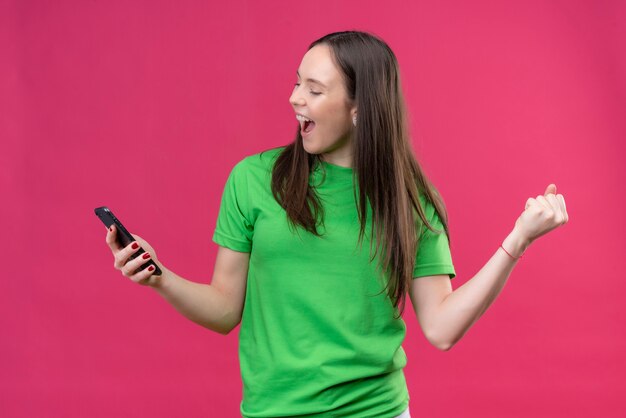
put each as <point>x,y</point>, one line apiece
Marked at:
<point>303,119</point>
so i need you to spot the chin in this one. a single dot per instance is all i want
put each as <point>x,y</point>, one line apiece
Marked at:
<point>310,149</point>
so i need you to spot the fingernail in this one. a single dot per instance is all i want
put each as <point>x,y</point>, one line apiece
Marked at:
<point>111,229</point>
<point>150,268</point>
<point>145,255</point>
<point>135,246</point>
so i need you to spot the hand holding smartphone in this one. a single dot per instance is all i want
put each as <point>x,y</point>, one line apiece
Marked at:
<point>124,238</point>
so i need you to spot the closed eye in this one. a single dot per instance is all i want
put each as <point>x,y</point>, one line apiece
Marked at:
<point>315,93</point>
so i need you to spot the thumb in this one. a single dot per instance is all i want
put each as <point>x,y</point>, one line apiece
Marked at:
<point>550,189</point>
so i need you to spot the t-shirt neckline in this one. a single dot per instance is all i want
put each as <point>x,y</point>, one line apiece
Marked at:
<point>326,175</point>
<point>337,168</point>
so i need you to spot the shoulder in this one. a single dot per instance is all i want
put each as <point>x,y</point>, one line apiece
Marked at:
<point>255,170</point>
<point>430,212</point>
<point>259,162</point>
<point>427,205</point>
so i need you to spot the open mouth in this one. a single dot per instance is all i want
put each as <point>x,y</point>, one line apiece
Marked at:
<point>306,124</point>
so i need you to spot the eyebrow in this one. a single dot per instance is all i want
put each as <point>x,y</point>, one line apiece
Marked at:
<point>311,80</point>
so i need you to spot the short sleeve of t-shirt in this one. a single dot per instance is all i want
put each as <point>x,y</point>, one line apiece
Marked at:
<point>234,228</point>
<point>433,253</point>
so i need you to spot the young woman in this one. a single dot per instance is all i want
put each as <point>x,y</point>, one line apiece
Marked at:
<point>321,331</point>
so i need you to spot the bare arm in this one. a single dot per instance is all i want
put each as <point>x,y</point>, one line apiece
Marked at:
<point>217,306</point>
<point>446,315</point>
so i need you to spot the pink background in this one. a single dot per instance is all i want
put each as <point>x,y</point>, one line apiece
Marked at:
<point>145,107</point>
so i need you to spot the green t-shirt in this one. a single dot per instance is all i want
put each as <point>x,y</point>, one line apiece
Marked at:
<point>318,337</point>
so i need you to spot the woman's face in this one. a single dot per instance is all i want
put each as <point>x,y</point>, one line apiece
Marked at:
<point>320,96</point>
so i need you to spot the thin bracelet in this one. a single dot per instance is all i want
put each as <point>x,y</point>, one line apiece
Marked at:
<point>514,258</point>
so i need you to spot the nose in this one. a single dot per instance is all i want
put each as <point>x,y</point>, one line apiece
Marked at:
<point>296,98</point>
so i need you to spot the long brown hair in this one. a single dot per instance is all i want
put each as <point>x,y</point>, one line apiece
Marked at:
<point>389,177</point>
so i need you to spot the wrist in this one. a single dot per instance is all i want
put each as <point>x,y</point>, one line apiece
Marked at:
<point>160,283</point>
<point>515,244</point>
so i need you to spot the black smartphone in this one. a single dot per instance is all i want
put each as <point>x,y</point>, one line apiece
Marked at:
<point>124,237</point>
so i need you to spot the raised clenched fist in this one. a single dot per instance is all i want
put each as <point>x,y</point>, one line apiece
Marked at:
<point>542,214</point>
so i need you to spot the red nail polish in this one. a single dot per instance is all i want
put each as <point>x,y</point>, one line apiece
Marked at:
<point>145,256</point>
<point>135,246</point>
<point>111,228</point>
<point>150,268</point>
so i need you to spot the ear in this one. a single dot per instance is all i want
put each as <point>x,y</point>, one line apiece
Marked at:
<point>353,111</point>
